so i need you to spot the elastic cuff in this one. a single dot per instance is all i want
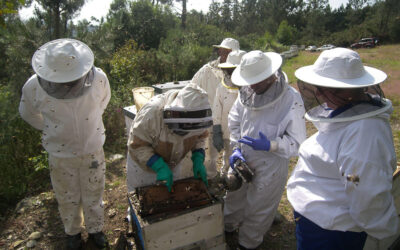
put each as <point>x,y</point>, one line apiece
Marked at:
<point>236,148</point>
<point>152,159</point>
<point>200,150</point>
<point>274,146</point>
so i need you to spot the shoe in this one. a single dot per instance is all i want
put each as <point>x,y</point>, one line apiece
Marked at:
<point>230,233</point>
<point>99,239</point>
<point>74,242</point>
<point>245,248</point>
<point>278,218</point>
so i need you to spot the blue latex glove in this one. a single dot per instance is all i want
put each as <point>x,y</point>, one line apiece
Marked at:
<point>163,171</point>
<point>257,144</point>
<point>237,154</point>
<point>199,170</point>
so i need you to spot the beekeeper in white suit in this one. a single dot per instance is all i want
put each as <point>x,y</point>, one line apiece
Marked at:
<point>225,96</point>
<point>267,126</point>
<point>209,78</point>
<point>341,187</point>
<point>65,99</point>
<point>164,131</point>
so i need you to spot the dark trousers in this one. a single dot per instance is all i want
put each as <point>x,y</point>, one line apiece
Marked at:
<point>310,236</point>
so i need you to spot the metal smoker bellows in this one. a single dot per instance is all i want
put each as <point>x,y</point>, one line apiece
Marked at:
<point>241,173</point>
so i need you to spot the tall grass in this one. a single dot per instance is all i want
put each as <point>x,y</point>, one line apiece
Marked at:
<point>291,65</point>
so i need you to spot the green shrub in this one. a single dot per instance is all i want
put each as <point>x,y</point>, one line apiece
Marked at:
<point>23,161</point>
<point>129,69</point>
<point>285,33</point>
<point>181,55</point>
<point>114,119</point>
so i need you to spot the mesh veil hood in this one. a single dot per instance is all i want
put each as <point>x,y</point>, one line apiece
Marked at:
<point>250,99</point>
<point>190,98</point>
<point>188,109</point>
<point>69,90</point>
<point>358,112</point>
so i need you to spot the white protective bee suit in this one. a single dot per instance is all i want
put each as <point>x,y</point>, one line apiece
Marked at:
<point>80,133</point>
<point>343,178</point>
<point>224,99</point>
<point>150,135</point>
<point>73,134</point>
<point>208,78</point>
<point>278,114</point>
<point>225,96</point>
<point>350,187</point>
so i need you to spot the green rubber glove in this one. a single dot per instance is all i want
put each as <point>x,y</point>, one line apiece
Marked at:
<point>199,170</point>
<point>163,172</point>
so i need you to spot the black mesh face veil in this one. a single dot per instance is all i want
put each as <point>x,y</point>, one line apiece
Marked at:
<point>309,95</point>
<point>315,95</point>
<point>330,102</point>
<point>189,126</point>
<point>68,90</point>
<point>249,98</point>
<point>187,114</point>
<point>181,120</point>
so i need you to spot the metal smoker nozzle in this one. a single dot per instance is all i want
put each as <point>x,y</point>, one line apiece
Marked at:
<point>243,171</point>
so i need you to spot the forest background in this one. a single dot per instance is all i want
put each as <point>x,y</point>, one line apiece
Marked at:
<point>144,42</point>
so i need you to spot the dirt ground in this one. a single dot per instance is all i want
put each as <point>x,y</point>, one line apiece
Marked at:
<point>39,214</point>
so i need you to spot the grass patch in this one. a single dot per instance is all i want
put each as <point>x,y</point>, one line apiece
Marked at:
<point>396,140</point>
<point>113,184</point>
<point>395,118</point>
<point>121,207</point>
<point>395,124</point>
<point>291,65</point>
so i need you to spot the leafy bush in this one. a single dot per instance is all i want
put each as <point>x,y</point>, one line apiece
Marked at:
<point>286,33</point>
<point>22,158</point>
<point>255,42</point>
<point>114,119</point>
<point>181,55</point>
<point>126,73</point>
<point>125,64</point>
<point>395,30</point>
<point>206,34</point>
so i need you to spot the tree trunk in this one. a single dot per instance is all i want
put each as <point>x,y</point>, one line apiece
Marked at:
<point>184,14</point>
<point>57,24</point>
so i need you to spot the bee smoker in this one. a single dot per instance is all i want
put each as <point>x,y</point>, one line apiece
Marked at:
<point>241,173</point>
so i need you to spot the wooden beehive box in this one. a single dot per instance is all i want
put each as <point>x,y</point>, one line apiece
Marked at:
<point>187,218</point>
<point>164,87</point>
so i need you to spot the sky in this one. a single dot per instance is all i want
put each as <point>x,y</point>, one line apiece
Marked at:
<point>99,8</point>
